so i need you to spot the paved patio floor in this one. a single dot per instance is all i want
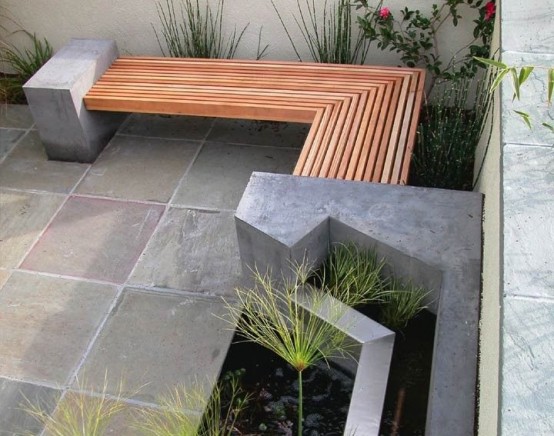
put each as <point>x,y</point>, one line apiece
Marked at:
<point>114,272</point>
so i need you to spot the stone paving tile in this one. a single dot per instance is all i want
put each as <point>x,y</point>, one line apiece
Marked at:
<point>46,325</point>
<point>27,167</point>
<point>95,238</point>
<point>15,400</point>
<point>139,168</point>
<point>4,276</point>
<point>259,132</point>
<point>23,217</point>
<point>16,116</point>
<point>167,126</point>
<point>221,172</point>
<point>527,366</point>
<point>192,250</point>
<point>528,199</point>
<point>8,138</point>
<point>153,342</point>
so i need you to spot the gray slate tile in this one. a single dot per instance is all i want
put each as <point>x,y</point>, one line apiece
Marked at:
<point>154,342</point>
<point>138,168</point>
<point>95,238</point>
<point>192,250</point>
<point>527,367</point>
<point>528,198</point>
<point>23,217</point>
<point>259,133</point>
<point>27,167</point>
<point>17,116</point>
<point>8,138</point>
<point>221,172</point>
<point>167,126</point>
<point>16,399</point>
<point>47,324</point>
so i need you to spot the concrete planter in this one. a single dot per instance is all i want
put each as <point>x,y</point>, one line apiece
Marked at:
<point>431,237</point>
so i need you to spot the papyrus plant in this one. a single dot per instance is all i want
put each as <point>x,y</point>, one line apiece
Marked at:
<point>273,316</point>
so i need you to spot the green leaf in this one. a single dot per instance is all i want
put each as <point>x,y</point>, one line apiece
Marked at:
<point>499,79</point>
<point>525,117</point>
<point>515,80</point>
<point>549,127</point>
<point>491,62</point>
<point>524,74</point>
<point>550,84</point>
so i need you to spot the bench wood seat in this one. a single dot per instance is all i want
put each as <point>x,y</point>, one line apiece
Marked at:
<point>363,119</point>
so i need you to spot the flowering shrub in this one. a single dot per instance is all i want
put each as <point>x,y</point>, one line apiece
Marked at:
<point>414,35</point>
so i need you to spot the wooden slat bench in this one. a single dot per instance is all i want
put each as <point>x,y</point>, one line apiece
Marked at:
<point>363,119</point>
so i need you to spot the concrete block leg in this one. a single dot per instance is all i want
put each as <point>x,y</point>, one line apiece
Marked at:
<point>55,94</point>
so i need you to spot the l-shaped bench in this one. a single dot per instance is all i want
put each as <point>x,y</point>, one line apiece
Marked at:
<point>363,119</point>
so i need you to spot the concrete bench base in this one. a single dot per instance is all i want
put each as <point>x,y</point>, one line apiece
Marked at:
<point>55,95</point>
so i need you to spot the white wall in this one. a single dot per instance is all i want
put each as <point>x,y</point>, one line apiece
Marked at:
<point>130,22</point>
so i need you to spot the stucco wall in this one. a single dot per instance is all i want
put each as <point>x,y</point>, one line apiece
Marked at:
<point>130,23</point>
<point>487,165</point>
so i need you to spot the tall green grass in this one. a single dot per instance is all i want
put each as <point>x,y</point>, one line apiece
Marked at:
<point>21,64</point>
<point>353,275</point>
<point>191,31</point>
<point>449,131</point>
<point>329,35</point>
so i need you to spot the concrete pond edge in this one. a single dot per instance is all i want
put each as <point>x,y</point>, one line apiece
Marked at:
<point>430,236</point>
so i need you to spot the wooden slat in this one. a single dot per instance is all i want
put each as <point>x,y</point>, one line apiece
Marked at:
<point>364,119</point>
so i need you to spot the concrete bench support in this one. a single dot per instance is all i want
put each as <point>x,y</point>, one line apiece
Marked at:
<point>55,95</point>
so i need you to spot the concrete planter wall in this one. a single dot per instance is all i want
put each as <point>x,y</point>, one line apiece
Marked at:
<point>432,237</point>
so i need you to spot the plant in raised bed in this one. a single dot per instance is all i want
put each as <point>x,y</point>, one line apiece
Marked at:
<point>21,63</point>
<point>452,121</point>
<point>273,316</point>
<point>329,36</point>
<point>194,33</point>
<point>353,275</point>
<point>448,134</point>
<point>401,302</point>
<point>415,35</point>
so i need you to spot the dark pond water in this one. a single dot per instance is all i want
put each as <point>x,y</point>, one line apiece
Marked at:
<point>274,388</point>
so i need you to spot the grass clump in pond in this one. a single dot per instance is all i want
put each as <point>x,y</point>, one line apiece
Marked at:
<point>353,275</point>
<point>274,317</point>
<point>401,303</point>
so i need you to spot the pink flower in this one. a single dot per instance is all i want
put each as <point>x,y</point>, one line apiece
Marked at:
<point>384,13</point>
<point>490,10</point>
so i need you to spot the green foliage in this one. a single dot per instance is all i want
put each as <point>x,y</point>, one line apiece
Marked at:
<point>174,417</point>
<point>401,303</point>
<point>24,63</point>
<point>273,317</point>
<point>79,414</point>
<point>448,134</point>
<point>191,32</point>
<point>414,35</point>
<point>329,37</point>
<point>28,61</point>
<point>353,275</point>
<point>519,76</point>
